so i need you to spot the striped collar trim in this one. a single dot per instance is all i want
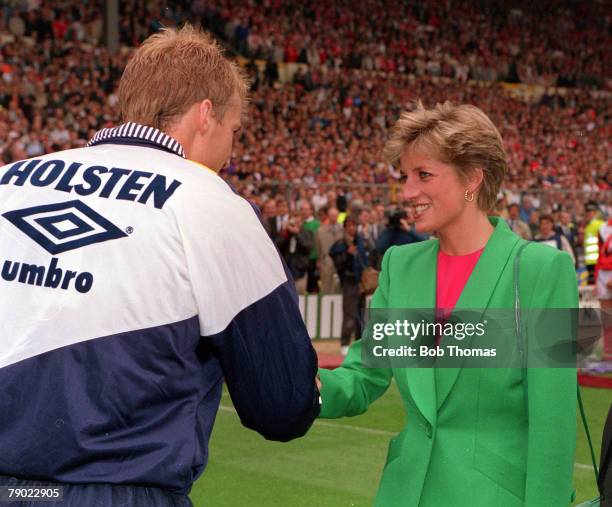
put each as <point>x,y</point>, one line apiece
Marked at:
<point>138,132</point>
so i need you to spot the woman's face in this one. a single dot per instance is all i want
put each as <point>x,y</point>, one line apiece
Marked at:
<point>546,227</point>
<point>434,192</point>
<point>350,229</point>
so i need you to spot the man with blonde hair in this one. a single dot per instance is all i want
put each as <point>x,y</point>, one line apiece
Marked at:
<point>134,281</point>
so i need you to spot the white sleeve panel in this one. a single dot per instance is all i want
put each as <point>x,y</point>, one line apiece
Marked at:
<point>231,260</point>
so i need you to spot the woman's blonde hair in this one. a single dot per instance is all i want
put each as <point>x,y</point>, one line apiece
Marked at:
<point>462,136</point>
<point>172,70</point>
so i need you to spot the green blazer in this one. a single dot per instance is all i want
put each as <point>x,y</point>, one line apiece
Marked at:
<point>471,438</point>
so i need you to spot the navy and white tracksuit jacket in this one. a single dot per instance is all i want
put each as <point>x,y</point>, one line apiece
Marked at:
<point>133,281</point>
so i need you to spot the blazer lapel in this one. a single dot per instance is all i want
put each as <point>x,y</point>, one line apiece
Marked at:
<point>421,294</point>
<point>478,291</point>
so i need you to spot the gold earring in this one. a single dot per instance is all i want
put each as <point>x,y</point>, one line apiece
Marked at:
<point>468,196</point>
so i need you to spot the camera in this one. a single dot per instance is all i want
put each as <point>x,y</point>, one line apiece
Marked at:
<point>395,219</point>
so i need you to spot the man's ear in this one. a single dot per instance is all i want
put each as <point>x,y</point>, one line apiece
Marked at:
<point>205,112</point>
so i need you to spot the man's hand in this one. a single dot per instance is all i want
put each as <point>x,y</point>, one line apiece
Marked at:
<point>404,225</point>
<point>292,227</point>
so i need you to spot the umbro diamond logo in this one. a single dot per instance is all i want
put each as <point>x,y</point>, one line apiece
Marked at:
<point>64,226</point>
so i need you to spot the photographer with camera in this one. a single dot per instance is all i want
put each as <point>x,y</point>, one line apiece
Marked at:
<point>295,245</point>
<point>399,231</point>
<point>350,259</point>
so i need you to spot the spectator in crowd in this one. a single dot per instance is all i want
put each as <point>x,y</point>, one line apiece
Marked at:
<point>282,216</point>
<point>311,224</point>
<point>366,230</point>
<point>501,208</point>
<point>377,220</point>
<point>268,218</point>
<point>566,227</point>
<point>326,235</point>
<point>319,200</point>
<point>350,259</point>
<point>527,209</point>
<point>534,222</point>
<point>399,231</point>
<point>270,72</point>
<point>604,268</point>
<point>604,284</point>
<point>591,238</point>
<point>549,236</point>
<point>517,225</point>
<point>295,244</point>
<point>253,72</point>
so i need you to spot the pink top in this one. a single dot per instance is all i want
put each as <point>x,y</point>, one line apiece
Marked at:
<point>453,273</point>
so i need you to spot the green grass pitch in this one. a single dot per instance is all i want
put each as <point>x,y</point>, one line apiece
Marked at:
<point>338,463</point>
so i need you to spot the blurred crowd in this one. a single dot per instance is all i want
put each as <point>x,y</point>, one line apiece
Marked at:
<point>306,237</point>
<point>317,141</point>
<point>553,43</point>
<point>334,134</point>
<point>558,42</point>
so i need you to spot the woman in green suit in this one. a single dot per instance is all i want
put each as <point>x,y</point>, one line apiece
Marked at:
<point>473,436</point>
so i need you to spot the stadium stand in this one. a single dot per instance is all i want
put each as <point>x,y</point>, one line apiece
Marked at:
<point>316,128</point>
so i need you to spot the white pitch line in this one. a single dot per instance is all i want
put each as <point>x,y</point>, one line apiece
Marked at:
<point>359,429</point>
<point>582,466</point>
<point>325,424</point>
<point>370,431</point>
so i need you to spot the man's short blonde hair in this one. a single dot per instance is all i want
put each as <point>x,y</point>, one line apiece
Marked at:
<point>174,69</point>
<point>462,136</point>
